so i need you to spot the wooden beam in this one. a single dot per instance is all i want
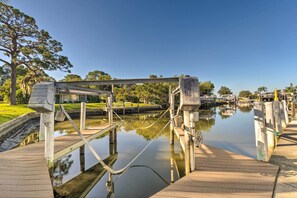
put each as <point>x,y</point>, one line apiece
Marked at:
<point>118,81</point>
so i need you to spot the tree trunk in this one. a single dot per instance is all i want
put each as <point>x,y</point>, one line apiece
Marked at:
<point>13,85</point>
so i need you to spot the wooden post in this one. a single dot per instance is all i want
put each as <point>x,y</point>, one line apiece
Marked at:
<point>192,146</point>
<point>293,110</point>
<point>49,137</point>
<point>171,163</point>
<point>110,115</point>
<point>282,114</point>
<point>82,116</point>
<point>41,128</point>
<point>112,133</point>
<point>171,102</point>
<point>187,141</point>
<point>277,117</point>
<point>270,125</point>
<point>286,111</point>
<point>260,132</point>
<point>82,158</point>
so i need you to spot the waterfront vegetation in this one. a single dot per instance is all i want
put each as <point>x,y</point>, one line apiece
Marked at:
<point>8,112</point>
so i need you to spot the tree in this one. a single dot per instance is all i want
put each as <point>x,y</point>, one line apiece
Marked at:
<point>262,89</point>
<point>99,75</point>
<point>4,74</point>
<point>71,77</point>
<point>291,89</point>
<point>206,88</point>
<point>245,94</point>
<point>224,90</point>
<point>22,43</point>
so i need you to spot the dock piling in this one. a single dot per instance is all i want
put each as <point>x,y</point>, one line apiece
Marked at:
<point>277,117</point>
<point>270,125</point>
<point>83,115</point>
<point>260,132</point>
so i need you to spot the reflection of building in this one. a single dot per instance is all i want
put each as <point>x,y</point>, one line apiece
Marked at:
<point>229,98</point>
<point>207,99</point>
<point>72,98</point>
<point>227,111</point>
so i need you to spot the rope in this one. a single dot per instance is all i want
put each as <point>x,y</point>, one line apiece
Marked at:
<point>110,170</point>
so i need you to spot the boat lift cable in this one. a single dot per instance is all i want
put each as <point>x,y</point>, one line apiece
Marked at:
<point>107,168</point>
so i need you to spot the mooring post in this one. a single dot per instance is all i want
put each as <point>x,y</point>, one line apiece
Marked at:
<point>293,110</point>
<point>187,141</point>
<point>171,163</point>
<point>112,133</point>
<point>277,117</point>
<point>193,119</point>
<point>171,102</point>
<point>41,128</point>
<point>270,125</point>
<point>286,111</point>
<point>49,137</point>
<point>83,115</point>
<point>282,114</point>
<point>260,132</point>
<point>110,115</point>
<point>82,158</point>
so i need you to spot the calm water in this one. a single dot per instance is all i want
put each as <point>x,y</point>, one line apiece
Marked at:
<point>224,127</point>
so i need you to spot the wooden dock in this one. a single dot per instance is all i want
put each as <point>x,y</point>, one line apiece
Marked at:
<point>285,155</point>
<point>24,171</point>
<point>220,173</point>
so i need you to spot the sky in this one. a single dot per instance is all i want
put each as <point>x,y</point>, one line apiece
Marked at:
<point>239,44</point>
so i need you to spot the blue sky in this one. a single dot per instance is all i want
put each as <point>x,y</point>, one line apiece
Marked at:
<point>240,44</point>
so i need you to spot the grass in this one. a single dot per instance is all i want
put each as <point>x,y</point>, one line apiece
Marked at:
<point>8,112</point>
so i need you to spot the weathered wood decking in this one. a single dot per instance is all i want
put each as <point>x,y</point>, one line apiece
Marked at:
<point>24,172</point>
<point>221,173</point>
<point>285,155</point>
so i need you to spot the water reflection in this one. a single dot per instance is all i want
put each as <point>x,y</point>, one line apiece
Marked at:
<point>245,109</point>
<point>79,174</point>
<point>60,169</point>
<point>226,111</point>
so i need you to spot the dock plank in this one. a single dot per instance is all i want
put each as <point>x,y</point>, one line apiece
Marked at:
<point>24,171</point>
<point>221,173</point>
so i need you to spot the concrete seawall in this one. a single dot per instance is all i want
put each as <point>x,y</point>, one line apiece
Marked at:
<point>7,128</point>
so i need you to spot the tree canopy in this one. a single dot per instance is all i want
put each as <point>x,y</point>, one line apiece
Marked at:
<point>23,44</point>
<point>224,90</point>
<point>291,88</point>
<point>262,89</point>
<point>71,77</point>
<point>245,94</point>
<point>206,88</point>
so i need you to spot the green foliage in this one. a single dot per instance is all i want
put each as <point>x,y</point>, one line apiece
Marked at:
<point>224,90</point>
<point>23,44</point>
<point>291,88</point>
<point>262,89</point>
<point>206,88</point>
<point>245,94</point>
<point>21,98</point>
<point>4,74</point>
<point>71,77</point>
<point>25,81</point>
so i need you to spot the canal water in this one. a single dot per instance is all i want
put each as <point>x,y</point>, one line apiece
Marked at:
<point>226,127</point>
